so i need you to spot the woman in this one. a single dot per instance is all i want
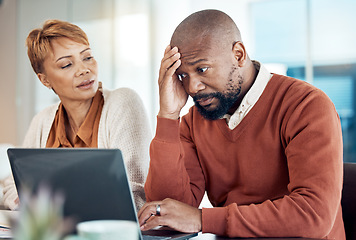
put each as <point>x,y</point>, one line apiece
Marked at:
<point>87,115</point>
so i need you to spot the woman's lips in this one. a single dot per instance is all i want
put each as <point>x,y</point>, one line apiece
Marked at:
<point>86,84</point>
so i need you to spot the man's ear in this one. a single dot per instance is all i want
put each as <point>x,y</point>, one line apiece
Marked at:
<point>43,78</point>
<point>239,52</point>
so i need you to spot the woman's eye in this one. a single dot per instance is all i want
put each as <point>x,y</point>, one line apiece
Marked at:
<point>202,70</point>
<point>181,76</point>
<point>88,58</point>
<point>66,66</point>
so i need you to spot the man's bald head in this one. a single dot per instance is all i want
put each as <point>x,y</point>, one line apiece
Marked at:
<point>206,26</point>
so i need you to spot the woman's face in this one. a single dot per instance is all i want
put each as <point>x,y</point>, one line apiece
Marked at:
<point>71,70</point>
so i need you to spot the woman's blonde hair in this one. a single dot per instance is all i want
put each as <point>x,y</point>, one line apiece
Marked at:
<point>38,41</point>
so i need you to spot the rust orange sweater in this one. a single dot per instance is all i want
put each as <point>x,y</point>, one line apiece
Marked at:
<point>277,174</point>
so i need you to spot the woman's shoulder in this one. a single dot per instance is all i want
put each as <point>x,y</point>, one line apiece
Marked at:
<point>119,93</point>
<point>121,97</point>
<point>47,113</point>
<point>40,126</point>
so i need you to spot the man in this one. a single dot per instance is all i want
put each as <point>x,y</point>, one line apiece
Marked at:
<point>266,148</point>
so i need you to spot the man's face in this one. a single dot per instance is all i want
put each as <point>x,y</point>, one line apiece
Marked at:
<point>211,77</point>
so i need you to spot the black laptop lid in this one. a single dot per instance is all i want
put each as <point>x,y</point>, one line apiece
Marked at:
<point>93,181</point>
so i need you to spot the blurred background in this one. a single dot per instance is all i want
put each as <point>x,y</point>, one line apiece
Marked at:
<point>313,40</point>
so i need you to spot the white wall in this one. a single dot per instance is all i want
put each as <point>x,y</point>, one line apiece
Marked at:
<point>31,14</point>
<point>126,58</point>
<point>18,91</point>
<point>8,126</point>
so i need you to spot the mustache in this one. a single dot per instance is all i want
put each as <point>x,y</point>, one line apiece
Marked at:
<point>206,95</point>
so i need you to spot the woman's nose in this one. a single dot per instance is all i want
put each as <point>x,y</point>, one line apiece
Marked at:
<point>82,70</point>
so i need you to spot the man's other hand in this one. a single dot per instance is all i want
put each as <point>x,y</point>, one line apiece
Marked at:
<point>172,95</point>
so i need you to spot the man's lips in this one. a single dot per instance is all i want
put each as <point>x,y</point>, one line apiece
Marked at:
<point>205,101</point>
<point>86,84</point>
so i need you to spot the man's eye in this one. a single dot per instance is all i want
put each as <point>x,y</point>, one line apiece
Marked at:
<point>181,76</point>
<point>202,70</point>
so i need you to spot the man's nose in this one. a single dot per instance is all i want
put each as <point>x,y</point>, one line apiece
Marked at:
<point>195,85</point>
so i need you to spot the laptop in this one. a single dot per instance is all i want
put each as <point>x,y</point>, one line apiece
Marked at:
<point>94,183</point>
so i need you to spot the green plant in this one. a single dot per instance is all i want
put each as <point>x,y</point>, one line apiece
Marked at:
<point>41,217</point>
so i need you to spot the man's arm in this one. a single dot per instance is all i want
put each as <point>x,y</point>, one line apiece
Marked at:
<point>312,140</point>
<point>168,181</point>
<point>168,176</point>
<point>174,170</point>
<point>313,147</point>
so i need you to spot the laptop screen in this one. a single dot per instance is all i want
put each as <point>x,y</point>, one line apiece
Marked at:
<point>93,181</point>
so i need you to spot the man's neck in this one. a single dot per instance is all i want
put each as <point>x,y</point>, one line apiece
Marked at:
<point>249,77</point>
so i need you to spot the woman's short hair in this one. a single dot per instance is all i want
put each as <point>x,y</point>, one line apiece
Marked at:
<point>38,41</point>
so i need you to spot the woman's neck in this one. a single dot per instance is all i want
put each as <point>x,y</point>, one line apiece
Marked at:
<point>76,113</point>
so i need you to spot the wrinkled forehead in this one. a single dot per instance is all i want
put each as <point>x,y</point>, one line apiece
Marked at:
<point>193,53</point>
<point>199,49</point>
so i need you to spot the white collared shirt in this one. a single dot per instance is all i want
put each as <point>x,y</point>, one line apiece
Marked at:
<point>251,96</point>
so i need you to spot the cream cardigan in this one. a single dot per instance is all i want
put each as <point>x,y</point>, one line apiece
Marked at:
<point>123,124</point>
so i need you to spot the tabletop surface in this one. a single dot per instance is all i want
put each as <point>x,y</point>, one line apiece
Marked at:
<point>5,215</point>
<point>208,236</point>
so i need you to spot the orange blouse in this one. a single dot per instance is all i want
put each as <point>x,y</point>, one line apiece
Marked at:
<point>87,135</point>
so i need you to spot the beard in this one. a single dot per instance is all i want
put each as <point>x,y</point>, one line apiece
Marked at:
<point>226,101</point>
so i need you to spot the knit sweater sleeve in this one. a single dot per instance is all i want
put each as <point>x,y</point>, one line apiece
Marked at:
<point>174,168</point>
<point>124,125</point>
<point>311,135</point>
<point>38,131</point>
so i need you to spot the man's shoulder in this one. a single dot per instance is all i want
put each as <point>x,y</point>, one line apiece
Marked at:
<point>291,92</point>
<point>292,87</point>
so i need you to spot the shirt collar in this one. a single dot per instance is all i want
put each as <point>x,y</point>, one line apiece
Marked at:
<point>61,136</point>
<point>85,132</point>
<point>258,86</point>
<point>255,91</point>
